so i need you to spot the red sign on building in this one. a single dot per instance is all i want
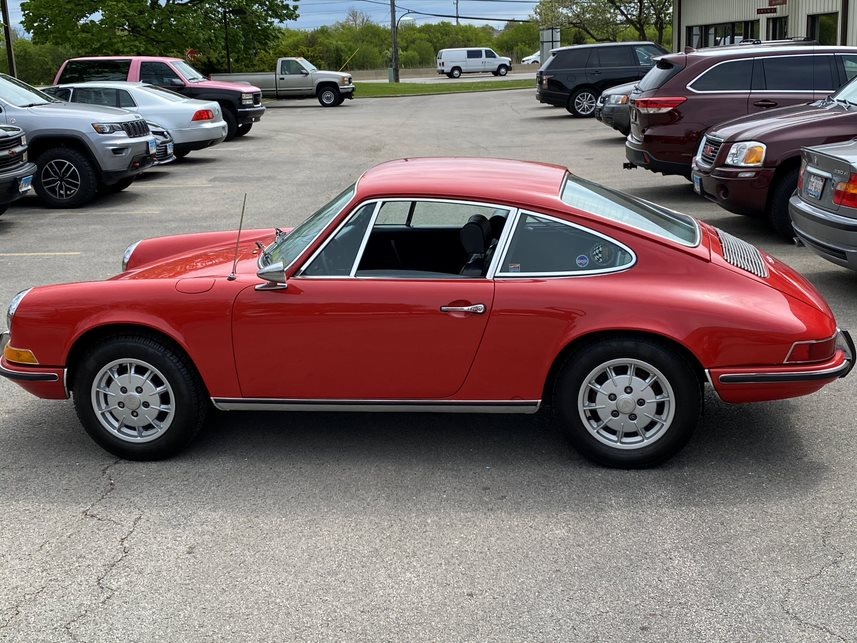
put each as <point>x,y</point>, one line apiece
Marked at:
<point>776,3</point>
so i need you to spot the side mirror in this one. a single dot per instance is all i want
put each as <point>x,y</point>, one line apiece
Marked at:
<point>274,276</point>
<point>176,82</point>
<point>304,72</point>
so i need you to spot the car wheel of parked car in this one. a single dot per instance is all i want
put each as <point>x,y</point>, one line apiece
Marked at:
<point>328,96</point>
<point>628,403</point>
<point>65,178</point>
<point>455,72</point>
<point>243,129</point>
<point>138,398</point>
<point>231,124</point>
<point>180,154</point>
<point>582,103</point>
<point>778,206</point>
<point>113,188</point>
<point>502,70</point>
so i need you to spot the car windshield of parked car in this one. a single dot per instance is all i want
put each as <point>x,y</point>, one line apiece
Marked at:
<point>21,94</point>
<point>602,201</point>
<point>847,94</point>
<point>188,72</point>
<point>308,65</point>
<point>291,246</point>
<point>164,94</point>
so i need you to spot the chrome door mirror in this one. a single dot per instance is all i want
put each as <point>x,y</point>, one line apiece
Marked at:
<point>274,276</point>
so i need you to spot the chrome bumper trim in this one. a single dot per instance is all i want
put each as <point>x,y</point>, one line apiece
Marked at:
<point>378,406</point>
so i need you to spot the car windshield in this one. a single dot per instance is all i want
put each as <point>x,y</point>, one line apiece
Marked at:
<point>21,94</point>
<point>307,64</point>
<point>192,75</point>
<point>289,247</point>
<point>165,94</point>
<point>848,93</point>
<point>611,204</point>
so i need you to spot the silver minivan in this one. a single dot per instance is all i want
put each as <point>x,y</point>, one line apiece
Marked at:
<point>472,60</point>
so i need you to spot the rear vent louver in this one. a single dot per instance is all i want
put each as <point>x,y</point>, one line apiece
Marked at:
<point>741,254</point>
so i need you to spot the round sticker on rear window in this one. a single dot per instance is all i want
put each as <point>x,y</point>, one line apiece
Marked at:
<point>582,261</point>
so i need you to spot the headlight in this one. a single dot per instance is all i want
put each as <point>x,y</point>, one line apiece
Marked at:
<point>618,99</point>
<point>24,139</point>
<point>747,154</point>
<point>13,306</point>
<point>246,99</point>
<point>345,80</point>
<point>108,128</point>
<point>126,256</point>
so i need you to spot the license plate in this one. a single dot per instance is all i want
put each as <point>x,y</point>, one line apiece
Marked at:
<point>814,186</point>
<point>633,114</point>
<point>25,183</point>
<point>697,184</point>
<point>170,149</point>
<point>153,145</point>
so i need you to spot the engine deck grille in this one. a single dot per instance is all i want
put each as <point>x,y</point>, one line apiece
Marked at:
<point>742,254</point>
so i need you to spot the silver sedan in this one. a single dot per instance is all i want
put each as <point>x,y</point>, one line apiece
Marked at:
<point>193,124</point>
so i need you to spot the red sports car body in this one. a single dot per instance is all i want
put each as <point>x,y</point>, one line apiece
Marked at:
<point>457,285</point>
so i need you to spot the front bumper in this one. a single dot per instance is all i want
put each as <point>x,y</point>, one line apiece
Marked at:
<point>829,235</point>
<point>747,194</point>
<point>41,381</point>
<point>10,182</point>
<point>250,114</point>
<point>759,384</point>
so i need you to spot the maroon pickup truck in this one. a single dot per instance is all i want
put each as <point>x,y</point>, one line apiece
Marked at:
<point>750,165</point>
<point>241,103</point>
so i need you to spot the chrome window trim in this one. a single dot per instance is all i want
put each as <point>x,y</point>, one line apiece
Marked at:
<point>569,273</point>
<point>378,205</point>
<point>757,91</point>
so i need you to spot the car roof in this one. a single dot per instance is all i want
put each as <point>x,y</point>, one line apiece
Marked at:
<point>523,183</point>
<point>746,51</point>
<point>604,44</point>
<point>113,84</point>
<point>143,58</point>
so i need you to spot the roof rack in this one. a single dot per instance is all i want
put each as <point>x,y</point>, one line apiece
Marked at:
<point>797,40</point>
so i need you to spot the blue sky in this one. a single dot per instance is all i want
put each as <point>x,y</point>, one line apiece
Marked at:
<point>315,13</point>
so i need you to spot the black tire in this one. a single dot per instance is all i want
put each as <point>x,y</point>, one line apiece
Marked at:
<point>3,208</point>
<point>582,103</point>
<point>670,404</point>
<point>455,72</point>
<point>231,124</point>
<point>120,185</point>
<point>243,129</point>
<point>160,375</point>
<point>180,154</point>
<point>778,204</point>
<point>328,96</point>
<point>449,75</point>
<point>65,178</point>
<point>502,70</point>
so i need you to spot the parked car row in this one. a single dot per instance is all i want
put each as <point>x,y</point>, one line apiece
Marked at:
<point>744,124</point>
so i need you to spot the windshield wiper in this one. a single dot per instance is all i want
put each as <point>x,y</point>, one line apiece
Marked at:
<point>36,104</point>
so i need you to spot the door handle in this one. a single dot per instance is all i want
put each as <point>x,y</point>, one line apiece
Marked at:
<point>476,309</point>
<point>765,103</point>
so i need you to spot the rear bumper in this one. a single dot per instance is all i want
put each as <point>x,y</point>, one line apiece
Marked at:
<point>639,154</point>
<point>829,235</point>
<point>746,194</point>
<point>41,381</point>
<point>753,384</point>
<point>560,99</point>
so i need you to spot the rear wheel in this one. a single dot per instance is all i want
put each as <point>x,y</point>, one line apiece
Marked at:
<point>243,129</point>
<point>778,205</point>
<point>138,398</point>
<point>328,96</point>
<point>582,103</point>
<point>628,403</point>
<point>65,178</point>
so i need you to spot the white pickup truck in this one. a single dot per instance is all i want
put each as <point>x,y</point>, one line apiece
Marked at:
<point>298,78</point>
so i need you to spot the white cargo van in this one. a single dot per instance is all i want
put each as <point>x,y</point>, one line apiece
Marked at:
<point>471,60</point>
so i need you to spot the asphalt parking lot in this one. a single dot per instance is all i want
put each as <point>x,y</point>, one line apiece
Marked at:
<point>385,527</point>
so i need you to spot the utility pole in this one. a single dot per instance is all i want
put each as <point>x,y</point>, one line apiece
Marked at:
<point>7,33</point>
<point>456,13</point>
<point>394,54</point>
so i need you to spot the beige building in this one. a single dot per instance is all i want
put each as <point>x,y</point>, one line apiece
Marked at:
<point>707,23</point>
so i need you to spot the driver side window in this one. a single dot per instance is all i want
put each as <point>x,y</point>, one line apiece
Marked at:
<point>337,258</point>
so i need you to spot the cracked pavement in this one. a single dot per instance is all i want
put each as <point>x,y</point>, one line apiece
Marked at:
<point>320,527</point>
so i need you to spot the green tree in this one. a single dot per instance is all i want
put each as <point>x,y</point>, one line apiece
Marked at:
<point>158,27</point>
<point>35,64</point>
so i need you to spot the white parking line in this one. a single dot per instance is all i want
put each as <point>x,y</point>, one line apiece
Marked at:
<point>39,254</point>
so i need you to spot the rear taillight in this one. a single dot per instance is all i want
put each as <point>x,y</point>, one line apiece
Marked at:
<point>658,105</point>
<point>812,351</point>
<point>845,193</point>
<point>800,176</point>
<point>203,115</point>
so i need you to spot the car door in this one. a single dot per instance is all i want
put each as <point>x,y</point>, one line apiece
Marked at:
<point>376,313</point>
<point>787,80</point>
<point>610,66</point>
<point>291,79</point>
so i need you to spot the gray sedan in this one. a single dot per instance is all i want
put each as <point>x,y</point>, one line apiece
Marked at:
<point>193,124</point>
<point>612,108</point>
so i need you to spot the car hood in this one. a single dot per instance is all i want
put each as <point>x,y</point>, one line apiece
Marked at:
<point>626,88</point>
<point>76,110</point>
<point>758,126</point>
<point>209,254</point>
<point>332,75</point>
<point>228,86</point>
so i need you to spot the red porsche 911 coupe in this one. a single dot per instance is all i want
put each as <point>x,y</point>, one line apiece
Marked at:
<point>452,285</point>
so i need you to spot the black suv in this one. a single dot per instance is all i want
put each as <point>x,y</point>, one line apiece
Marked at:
<point>574,77</point>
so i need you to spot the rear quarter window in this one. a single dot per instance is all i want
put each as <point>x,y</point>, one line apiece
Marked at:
<point>569,59</point>
<point>612,57</point>
<point>81,71</point>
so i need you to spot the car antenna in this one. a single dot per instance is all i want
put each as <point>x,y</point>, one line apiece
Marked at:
<point>232,275</point>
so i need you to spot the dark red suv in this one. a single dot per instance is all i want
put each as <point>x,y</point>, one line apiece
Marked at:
<point>685,94</point>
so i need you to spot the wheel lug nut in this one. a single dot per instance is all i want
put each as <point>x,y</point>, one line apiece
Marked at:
<point>632,417</point>
<point>612,397</point>
<point>139,389</point>
<point>641,402</point>
<point>145,405</point>
<point>628,390</point>
<point>134,414</point>
<point>121,405</point>
<point>123,390</point>
<point>615,414</point>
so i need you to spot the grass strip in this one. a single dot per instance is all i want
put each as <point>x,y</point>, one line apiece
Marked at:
<point>380,90</point>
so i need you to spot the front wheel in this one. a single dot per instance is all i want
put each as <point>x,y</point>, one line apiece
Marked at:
<point>455,72</point>
<point>628,403</point>
<point>778,206</point>
<point>231,125</point>
<point>138,398</point>
<point>328,96</point>
<point>502,70</point>
<point>582,103</point>
<point>243,129</point>
<point>65,178</point>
